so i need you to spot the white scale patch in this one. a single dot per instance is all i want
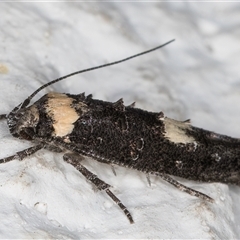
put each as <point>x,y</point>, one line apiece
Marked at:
<point>175,131</point>
<point>59,108</point>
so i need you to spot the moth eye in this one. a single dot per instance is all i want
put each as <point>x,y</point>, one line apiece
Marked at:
<point>27,134</point>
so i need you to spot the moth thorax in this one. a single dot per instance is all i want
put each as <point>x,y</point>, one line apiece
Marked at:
<point>22,123</point>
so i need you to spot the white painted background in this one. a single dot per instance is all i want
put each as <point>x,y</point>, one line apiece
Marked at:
<point>197,77</point>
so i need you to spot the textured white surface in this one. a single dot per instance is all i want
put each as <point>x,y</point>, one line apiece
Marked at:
<point>196,77</point>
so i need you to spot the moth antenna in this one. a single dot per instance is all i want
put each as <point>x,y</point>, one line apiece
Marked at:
<point>27,101</point>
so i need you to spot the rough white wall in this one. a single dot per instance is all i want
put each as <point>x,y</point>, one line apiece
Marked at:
<point>196,77</point>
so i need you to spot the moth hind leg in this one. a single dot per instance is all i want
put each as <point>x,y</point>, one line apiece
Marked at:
<point>182,187</point>
<point>148,179</point>
<point>74,160</point>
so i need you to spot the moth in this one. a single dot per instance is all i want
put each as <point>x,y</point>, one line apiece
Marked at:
<point>112,133</point>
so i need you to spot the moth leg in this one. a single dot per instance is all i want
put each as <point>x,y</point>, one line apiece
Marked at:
<point>53,148</point>
<point>183,188</point>
<point>113,170</point>
<point>22,154</point>
<point>3,116</point>
<point>101,185</point>
<point>148,179</point>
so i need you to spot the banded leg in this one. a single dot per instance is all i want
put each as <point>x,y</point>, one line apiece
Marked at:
<point>22,154</point>
<point>182,187</point>
<point>101,185</point>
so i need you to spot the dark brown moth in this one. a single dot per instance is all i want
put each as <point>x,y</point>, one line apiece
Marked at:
<point>113,133</point>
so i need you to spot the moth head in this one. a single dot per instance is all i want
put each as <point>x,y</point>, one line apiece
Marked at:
<point>22,122</point>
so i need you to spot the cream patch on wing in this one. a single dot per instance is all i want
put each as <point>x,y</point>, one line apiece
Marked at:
<point>60,109</point>
<point>175,131</point>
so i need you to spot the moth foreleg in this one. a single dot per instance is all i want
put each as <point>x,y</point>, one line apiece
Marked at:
<point>22,154</point>
<point>182,187</point>
<point>3,116</point>
<point>101,185</point>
